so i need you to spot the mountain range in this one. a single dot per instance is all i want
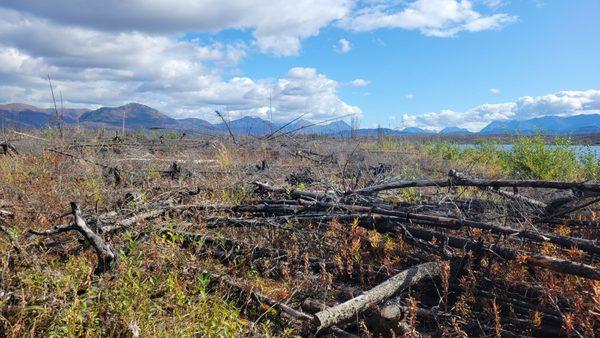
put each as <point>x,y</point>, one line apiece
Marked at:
<point>553,125</point>
<point>139,116</point>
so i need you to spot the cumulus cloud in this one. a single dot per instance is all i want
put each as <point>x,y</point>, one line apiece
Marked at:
<point>441,18</point>
<point>116,51</point>
<point>359,83</point>
<point>277,26</point>
<point>343,46</point>
<point>182,78</point>
<point>563,103</point>
<point>495,91</point>
<point>409,96</point>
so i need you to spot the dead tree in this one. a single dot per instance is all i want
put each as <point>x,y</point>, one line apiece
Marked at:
<point>8,149</point>
<point>349,309</point>
<point>464,182</point>
<point>107,258</point>
<point>226,125</point>
<point>58,116</point>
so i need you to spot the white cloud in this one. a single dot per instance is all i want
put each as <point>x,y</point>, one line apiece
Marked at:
<point>343,46</point>
<point>277,25</point>
<point>181,78</point>
<point>409,96</point>
<point>116,51</point>
<point>495,91</point>
<point>359,83</point>
<point>440,18</point>
<point>493,4</point>
<point>561,103</point>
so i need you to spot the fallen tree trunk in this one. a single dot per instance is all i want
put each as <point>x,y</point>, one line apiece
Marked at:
<point>107,259</point>
<point>546,262</point>
<point>518,197</point>
<point>347,310</point>
<point>467,182</point>
<point>293,192</point>
<point>567,242</point>
<point>395,225</point>
<point>263,299</point>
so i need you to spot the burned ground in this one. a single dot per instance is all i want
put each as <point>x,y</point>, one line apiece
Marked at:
<point>295,235</point>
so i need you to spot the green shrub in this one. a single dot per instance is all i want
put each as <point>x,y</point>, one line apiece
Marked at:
<point>532,157</point>
<point>445,150</point>
<point>590,165</point>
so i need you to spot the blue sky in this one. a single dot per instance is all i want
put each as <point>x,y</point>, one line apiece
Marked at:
<point>552,46</point>
<point>425,63</point>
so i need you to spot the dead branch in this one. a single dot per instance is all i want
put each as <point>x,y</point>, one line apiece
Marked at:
<point>260,299</point>
<point>464,182</point>
<point>107,259</point>
<point>8,149</point>
<point>347,310</point>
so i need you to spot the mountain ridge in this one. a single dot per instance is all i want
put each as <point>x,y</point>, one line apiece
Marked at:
<point>140,116</point>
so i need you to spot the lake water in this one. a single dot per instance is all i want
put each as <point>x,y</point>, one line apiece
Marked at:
<point>579,149</point>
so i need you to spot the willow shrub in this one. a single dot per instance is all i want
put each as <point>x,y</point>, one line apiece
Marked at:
<point>532,157</point>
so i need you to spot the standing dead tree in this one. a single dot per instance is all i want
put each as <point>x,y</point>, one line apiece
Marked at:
<point>58,114</point>
<point>226,125</point>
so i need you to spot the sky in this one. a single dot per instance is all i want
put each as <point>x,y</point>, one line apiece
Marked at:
<point>393,63</point>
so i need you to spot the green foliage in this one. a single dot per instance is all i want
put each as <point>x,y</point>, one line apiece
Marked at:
<point>153,172</point>
<point>223,155</point>
<point>171,135</point>
<point>147,296</point>
<point>529,157</point>
<point>445,150</point>
<point>234,195</point>
<point>532,157</point>
<point>386,142</point>
<point>591,165</point>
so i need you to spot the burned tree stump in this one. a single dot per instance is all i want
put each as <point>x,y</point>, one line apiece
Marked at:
<point>8,149</point>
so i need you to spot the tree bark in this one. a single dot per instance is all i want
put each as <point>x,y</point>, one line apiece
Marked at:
<point>347,310</point>
<point>467,182</point>
<point>107,259</point>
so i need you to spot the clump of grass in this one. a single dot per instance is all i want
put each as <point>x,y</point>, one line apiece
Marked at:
<point>223,156</point>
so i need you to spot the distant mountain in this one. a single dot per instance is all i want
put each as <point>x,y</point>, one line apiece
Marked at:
<point>454,131</point>
<point>377,131</point>
<point>28,116</point>
<point>559,125</point>
<point>137,116</point>
<point>333,128</point>
<point>301,123</point>
<point>196,124</point>
<point>18,107</point>
<point>248,125</point>
<point>415,130</point>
